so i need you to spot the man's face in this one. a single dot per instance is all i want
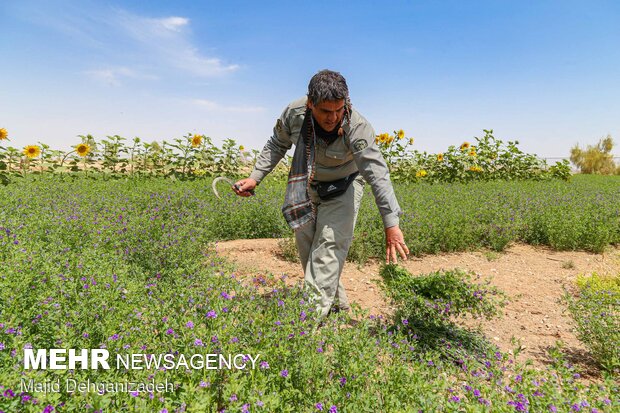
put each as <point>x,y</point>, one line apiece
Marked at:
<point>328,113</point>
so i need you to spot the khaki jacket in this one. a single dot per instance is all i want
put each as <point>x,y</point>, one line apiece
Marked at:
<point>356,151</point>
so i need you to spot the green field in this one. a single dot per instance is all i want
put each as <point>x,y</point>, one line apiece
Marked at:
<point>128,265</point>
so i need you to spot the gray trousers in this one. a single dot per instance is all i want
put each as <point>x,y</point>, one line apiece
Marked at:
<point>324,244</point>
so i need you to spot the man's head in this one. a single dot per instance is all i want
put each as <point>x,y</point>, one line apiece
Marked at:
<point>328,98</point>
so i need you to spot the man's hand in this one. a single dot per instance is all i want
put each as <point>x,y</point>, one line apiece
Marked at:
<point>244,186</point>
<point>395,242</point>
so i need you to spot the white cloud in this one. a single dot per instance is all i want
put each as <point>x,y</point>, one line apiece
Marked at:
<point>214,106</point>
<point>114,33</point>
<point>114,76</point>
<point>174,23</point>
<point>169,40</point>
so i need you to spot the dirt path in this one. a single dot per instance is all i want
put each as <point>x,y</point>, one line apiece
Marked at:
<point>532,277</point>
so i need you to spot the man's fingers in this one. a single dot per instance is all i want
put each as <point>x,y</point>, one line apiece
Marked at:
<point>239,190</point>
<point>391,255</point>
<point>403,251</point>
<point>388,254</point>
<point>395,249</point>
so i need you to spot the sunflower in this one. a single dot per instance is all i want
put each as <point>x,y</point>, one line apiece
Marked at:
<point>383,137</point>
<point>420,174</point>
<point>440,157</point>
<point>401,134</point>
<point>241,148</point>
<point>472,152</point>
<point>475,168</point>
<point>377,139</point>
<point>464,145</point>
<point>410,141</point>
<point>3,134</point>
<point>389,139</point>
<point>32,151</point>
<point>196,140</point>
<point>82,149</point>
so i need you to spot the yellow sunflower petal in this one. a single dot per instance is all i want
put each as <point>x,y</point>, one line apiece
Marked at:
<point>32,151</point>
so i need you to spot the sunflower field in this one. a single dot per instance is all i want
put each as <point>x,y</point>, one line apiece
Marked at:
<point>197,156</point>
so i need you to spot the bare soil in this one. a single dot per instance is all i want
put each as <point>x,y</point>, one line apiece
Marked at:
<point>534,278</point>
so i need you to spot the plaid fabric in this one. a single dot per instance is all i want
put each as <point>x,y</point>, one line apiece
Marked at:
<point>298,209</point>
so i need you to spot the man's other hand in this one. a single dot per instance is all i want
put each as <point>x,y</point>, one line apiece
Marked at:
<point>395,243</point>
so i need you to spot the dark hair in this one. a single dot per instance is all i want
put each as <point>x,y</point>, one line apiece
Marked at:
<point>327,85</point>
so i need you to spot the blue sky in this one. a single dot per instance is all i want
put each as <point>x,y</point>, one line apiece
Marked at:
<point>545,73</point>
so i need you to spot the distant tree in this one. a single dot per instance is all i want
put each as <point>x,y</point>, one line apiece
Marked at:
<point>595,159</point>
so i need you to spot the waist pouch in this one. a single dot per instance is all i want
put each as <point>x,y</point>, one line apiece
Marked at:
<point>329,190</point>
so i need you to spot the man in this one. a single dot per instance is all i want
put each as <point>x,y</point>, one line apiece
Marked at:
<point>335,152</point>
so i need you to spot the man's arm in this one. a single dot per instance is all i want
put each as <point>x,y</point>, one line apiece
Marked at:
<point>373,168</point>
<point>273,152</point>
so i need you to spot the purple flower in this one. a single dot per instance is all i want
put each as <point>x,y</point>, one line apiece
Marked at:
<point>455,399</point>
<point>260,403</point>
<point>477,393</point>
<point>134,394</point>
<point>405,321</point>
<point>333,409</point>
<point>319,350</point>
<point>8,393</point>
<point>245,408</point>
<point>264,365</point>
<point>170,331</point>
<point>48,409</point>
<point>2,347</point>
<point>319,406</point>
<point>198,342</point>
<point>164,410</point>
<point>343,381</point>
<point>225,295</point>
<point>519,406</point>
<point>113,337</point>
<point>211,314</point>
<point>189,324</point>
<point>233,398</point>
<point>284,373</point>
<point>204,384</point>
<point>575,407</point>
